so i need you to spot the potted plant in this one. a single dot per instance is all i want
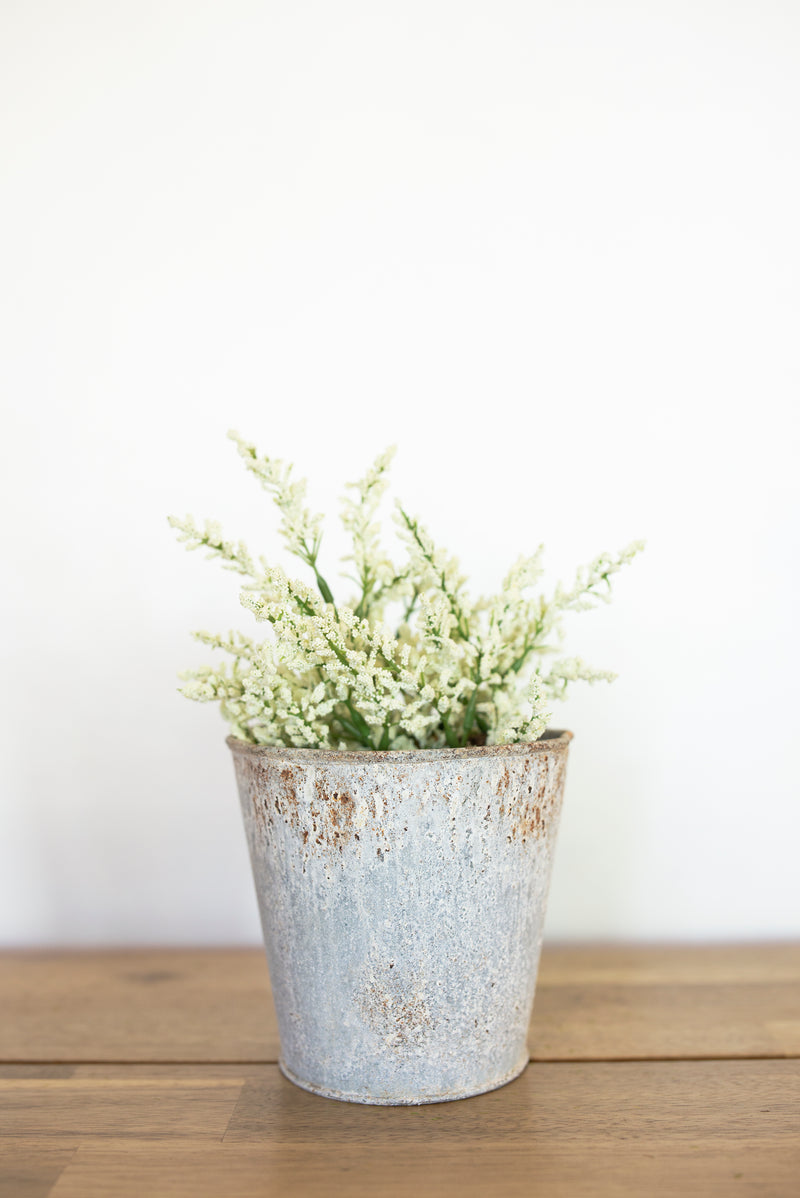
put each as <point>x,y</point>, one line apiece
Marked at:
<point>400,794</point>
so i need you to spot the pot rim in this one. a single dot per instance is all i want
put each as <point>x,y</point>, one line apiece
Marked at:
<point>551,740</point>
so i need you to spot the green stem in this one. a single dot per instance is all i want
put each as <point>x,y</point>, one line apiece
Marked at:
<point>324,589</point>
<point>450,735</point>
<point>366,587</point>
<point>367,584</point>
<point>411,605</point>
<point>359,721</point>
<point>353,732</point>
<point>528,647</point>
<point>309,556</point>
<point>469,715</point>
<point>455,607</point>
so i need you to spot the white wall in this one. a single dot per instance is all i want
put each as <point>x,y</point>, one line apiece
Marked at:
<point>552,250</point>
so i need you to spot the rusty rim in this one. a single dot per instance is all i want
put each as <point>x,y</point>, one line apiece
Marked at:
<point>554,740</point>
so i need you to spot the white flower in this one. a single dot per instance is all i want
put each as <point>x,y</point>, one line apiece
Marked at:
<point>411,662</point>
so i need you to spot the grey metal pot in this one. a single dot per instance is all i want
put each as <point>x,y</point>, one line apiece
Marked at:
<point>402,897</point>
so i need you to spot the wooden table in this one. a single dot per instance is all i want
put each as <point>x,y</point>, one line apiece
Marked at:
<point>655,1071</point>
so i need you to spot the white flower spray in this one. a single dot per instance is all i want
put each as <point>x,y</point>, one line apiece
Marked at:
<point>409,662</point>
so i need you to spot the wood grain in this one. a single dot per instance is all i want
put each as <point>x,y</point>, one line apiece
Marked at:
<point>29,1168</point>
<point>644,1170</point>
<point>141,1107</point>
<point>550,1103</point>
<point>128,1005</point>
<point>620,1110</point>
<point>670,965</point>
<point>614,1003</point>
<point>636,1128</point>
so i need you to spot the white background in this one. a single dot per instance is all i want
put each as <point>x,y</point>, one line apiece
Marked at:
<point>550,249</point>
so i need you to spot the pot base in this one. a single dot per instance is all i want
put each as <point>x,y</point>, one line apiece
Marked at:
<point>420,1100</point>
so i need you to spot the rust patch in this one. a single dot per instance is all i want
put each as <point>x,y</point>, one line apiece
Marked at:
<point>250,776</point>
<point>342,808</point>
<point>335,810</point>
<point>521,802</point>
<point>530,817</point>
<point>394,1006</point>
<point>503,782</point>
<point>326,824</point>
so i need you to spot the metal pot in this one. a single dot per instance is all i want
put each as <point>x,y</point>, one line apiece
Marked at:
<point>402,897</point>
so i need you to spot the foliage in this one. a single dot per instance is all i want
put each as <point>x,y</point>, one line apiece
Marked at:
<point>410,661</point>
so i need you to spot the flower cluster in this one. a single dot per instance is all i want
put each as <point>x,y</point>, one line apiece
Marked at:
<point>410,661</point>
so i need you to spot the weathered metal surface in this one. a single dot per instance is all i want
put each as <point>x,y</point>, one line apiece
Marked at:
<point>402,897</point>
